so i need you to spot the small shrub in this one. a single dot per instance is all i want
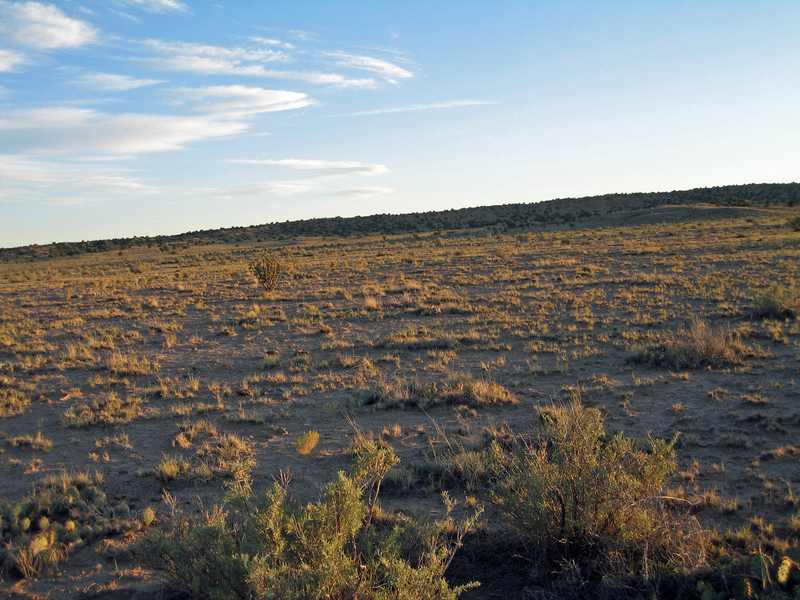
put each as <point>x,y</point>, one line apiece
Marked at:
<point>578,497</point>
<point>307,442</point>
<point>778,303</point>
<point>267,268</point>
<point>148,516</point>
<point>271,547</point>
<point>794,223</point>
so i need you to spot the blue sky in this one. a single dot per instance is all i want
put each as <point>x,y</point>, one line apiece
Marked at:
<point>147,117</point>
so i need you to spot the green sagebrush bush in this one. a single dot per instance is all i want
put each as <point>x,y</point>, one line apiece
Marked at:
<point>578,497</point>
<point>267,268</point>
<point>339,547</point>
<point>778,303</point>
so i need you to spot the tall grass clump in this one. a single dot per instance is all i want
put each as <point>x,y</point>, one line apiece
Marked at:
<point>267,268</point>
<point>587,505</point>
<point>340,547</point>
<point>701,345</point>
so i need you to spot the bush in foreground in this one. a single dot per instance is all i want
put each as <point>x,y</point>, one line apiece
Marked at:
<point>340,547</point>
<point>587,507</point>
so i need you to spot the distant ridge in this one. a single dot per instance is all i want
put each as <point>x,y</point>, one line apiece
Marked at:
<point>505,217</point>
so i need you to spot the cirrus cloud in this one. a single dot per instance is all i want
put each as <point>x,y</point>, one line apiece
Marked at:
<point>237,101</point>
<point>325,167</point>
<point>388,71</point>
<point>109,81</point>
<point>64,130</point>
<point>362,192</point>
<point>220,60</point>
<point>412,107</point>
<point>37,181</point>
<point>157,6</point>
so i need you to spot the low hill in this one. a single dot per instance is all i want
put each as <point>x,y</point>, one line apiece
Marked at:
<point>562,212</point>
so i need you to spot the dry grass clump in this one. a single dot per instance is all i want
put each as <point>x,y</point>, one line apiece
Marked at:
<point>111,410</point>
<point>702,345</point>
<point>37,442</point>
<point>63,510</point>
<point>13,396</point>
<point>481,392</point>
<point>122,364</point>
<point>400,393</point>
<point>171,467</point>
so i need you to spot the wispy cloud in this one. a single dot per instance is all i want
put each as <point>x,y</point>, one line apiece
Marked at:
<point>184,53</point>
<point>109,81</point>
<point>9,61</point>
<point>237,101</point>
<point>42,26</point>
<point>398,109</point>
<point>324,167</point>
<point>265,188</point>
<point>388,71</point>
<point>220,60</point>
<point>158,6</point>
<point>362,192</point>
<point>271,42</point>
<point>35,181</point>
<point>60,130</point>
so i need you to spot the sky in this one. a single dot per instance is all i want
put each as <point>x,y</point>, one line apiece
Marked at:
<point>121,118</point>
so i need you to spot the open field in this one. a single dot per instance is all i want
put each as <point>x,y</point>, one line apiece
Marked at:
<point>164,372</point>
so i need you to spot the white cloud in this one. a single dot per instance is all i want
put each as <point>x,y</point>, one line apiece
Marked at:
<point>271,42</point>
<point>212,59</point>
<point>265,188</point>
<point>155,5</point>
<point>389,71</point>
<point>42,26</point>
<point>82,130</point>
<point>53,182</point>
<point>362,192</point>
<point>397,109</point>
<point>325,167</point>
<point>238,101</point>
<point>9,60</point>
<point>110,81</point>
<point>218,60</point>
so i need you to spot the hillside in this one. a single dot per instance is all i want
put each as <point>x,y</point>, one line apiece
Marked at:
<point>562,212</point>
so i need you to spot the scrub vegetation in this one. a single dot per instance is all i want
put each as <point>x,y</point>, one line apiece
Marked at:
<point>597,407</point>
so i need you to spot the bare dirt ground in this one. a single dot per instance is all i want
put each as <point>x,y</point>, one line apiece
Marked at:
<point>113,356</point>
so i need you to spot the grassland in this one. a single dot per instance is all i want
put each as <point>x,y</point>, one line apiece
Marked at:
<point>156,374</point>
